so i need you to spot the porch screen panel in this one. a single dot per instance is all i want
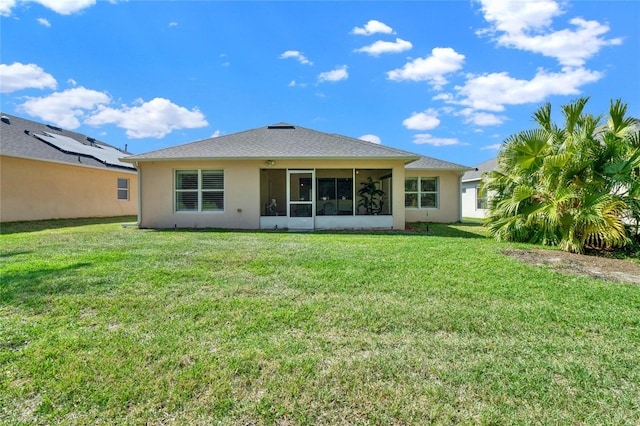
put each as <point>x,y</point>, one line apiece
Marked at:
<point>335,194</point>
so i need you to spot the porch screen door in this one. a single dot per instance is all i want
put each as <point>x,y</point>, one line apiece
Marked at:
<point>301,196</point>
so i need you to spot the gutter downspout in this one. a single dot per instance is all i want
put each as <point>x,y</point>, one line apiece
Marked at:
<point>139,193</point>
<point>460,197</point>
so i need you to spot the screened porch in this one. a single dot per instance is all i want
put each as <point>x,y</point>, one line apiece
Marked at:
<point>325,198</point>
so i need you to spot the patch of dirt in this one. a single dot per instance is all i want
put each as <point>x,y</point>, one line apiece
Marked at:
<point>604,268</point>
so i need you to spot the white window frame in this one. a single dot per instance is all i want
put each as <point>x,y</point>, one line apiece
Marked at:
<point>200,190</point>
<point>480,198</point>
<point>122,190</point>
<point>420,192</point>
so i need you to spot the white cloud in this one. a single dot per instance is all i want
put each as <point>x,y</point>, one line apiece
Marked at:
<point>568,47</point>
<point>426,120</point>
<point>19,76</point>
<point>527,26</point>
<point>296,55</point>
<point>63,7</point>
<point>173,24</point>
<point>371,138</point>
<point>6,6</point>
<point>373,27</point>
<point>514,16</point>
<point>338,74</point>
<point>294,83</point>
<point>485,119</point>
<point>443,60</point>
<point>66,7</point>
<point>425,138</point>
<point>494,147</point>
<point>481,118</point>
<point>216,134</point>
<point>379,47</point>
<point>492,91</point>
<point>44,22</point>
<point>65,109</point>
<point>447,97</point>
<point>154,119</point>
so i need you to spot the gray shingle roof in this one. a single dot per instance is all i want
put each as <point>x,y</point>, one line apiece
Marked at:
<point>476,174</point>
<point>28,139</point>
<point>429,163</point>
<point>277,142</point>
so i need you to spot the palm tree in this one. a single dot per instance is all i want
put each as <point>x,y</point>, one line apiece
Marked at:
<point>569,186</point>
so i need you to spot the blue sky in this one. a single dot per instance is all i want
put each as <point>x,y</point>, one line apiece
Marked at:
<point>447,79</point>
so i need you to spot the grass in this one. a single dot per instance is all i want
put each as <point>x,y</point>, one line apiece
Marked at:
<point>102,324</point>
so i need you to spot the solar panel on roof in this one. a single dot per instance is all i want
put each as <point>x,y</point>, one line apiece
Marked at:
<point>105,154</point>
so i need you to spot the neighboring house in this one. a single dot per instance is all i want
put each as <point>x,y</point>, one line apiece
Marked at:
<point>50,173</point>
<point>286,176</point>
<point>474,202</point>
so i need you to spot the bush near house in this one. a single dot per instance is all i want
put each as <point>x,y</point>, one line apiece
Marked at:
<point>576,186</point>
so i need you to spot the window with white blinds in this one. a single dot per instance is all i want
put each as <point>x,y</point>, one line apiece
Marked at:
<point>199,190</point>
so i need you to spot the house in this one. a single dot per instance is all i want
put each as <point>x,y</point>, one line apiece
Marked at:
<point>474,202</point>
<point>50,173</point>
<point>287,176</point>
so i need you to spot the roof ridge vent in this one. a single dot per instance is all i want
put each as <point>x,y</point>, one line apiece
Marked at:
<point>5,119</point>
<point>281,126</point>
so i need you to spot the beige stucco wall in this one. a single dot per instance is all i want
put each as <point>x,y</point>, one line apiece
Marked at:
<point>448,198</point>
<point>33,190</point>
<point>242,191</point>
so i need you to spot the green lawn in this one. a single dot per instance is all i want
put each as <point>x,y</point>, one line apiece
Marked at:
<point>101,323</point>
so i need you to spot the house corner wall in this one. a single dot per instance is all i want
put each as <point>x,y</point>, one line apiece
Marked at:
<point>449,209</point>
<point>240,212</point>
<point>37,190</point>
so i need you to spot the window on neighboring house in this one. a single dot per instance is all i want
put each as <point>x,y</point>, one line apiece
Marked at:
<point>481,199</point>
<point>421,192</point>
<point>199,190</point>
<point>123,189</point>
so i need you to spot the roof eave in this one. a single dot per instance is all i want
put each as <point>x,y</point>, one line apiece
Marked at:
<point>437,169</point>
<point>133,159</point>
<point>108,167</point>
<point>471,180</point>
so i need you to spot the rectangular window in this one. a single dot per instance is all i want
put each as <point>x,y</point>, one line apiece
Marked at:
<point>123,189</point>
<point>481,199</point>
<point>199,190</point>
<point>421,192</point>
